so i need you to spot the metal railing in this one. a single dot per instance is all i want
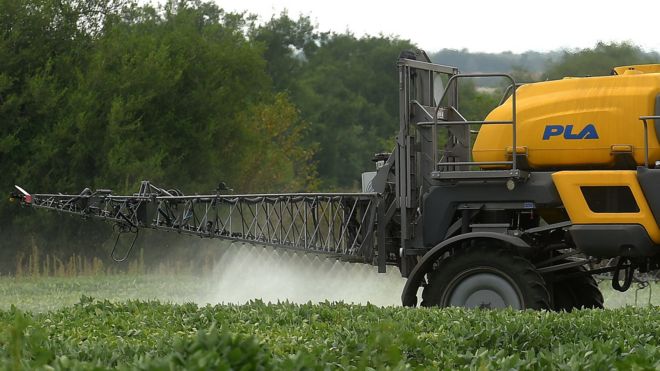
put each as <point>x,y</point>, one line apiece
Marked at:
<point>463,122</point>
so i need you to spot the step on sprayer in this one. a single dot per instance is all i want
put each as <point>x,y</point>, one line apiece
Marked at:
<point>559,183</point>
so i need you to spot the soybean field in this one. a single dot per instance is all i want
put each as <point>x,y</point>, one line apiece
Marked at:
<point>164,321</point>
<point>101,334</point>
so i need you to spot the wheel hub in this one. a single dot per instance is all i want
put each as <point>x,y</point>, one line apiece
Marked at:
<point>483,290</point>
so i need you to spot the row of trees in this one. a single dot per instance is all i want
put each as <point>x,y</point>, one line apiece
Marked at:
<point>106,93</point>
<point>107,96</point>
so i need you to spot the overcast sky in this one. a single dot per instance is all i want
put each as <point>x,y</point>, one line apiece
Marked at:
<point>479,25</point>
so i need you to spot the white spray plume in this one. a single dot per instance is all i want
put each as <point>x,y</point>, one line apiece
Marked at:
<point>246,272</point>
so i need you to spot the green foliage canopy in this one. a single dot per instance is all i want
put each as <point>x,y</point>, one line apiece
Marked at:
<point>98,335</point>
<point>598,61</point>
<point>348,91</point>
<point>104,94</point>
<point>159,95</point>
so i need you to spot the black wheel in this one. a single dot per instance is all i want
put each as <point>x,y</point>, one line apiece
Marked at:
<point>486,277</point>
<point>563,298</point>
<point>576,292</point>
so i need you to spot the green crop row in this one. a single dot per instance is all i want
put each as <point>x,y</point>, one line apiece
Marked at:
<point>149,335</point>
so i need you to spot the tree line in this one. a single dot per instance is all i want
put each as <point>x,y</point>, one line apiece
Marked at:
<point>106,93</point>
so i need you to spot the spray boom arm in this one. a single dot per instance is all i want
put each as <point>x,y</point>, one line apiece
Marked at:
<point>340,224</point>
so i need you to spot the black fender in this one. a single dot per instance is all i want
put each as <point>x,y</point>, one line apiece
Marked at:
<point>409,295</point>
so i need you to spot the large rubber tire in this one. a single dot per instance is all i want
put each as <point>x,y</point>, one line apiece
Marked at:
<point>579,292</point>
<point>486,277</point>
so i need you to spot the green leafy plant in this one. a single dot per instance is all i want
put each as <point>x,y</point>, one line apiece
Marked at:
<point>99,334</point>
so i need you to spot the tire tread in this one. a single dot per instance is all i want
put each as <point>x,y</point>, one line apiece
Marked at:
<point>535,292</point>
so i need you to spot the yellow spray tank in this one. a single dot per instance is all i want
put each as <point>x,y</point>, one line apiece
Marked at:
<point>578,122</point>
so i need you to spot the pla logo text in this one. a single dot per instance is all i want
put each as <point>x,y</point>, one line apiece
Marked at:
<point>569,132</point>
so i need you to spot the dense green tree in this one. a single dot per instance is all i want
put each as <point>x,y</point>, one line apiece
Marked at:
<point>287,44</point>
<point>162,98</point>
<point>160,94</point>
<point>475,104</point>
<point>43,46</point>
<point>101,96</point>
<point>40,46</point>
<point>598,61</point>
<point>348,91</point>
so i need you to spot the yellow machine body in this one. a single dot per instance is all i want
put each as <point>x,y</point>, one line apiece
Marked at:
<point>571,186</point>
<point>577,122</point>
